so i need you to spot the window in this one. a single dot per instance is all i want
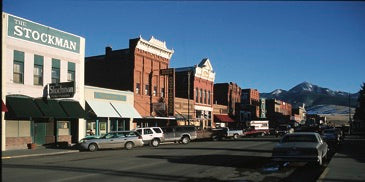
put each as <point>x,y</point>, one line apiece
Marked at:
<point>205,96</point>
<point>71,72</point>
<point>196,95</point>
<point>38,70</point>
<point>162,92</point>
<point>18,69</point>
<point>138,87</point>
<point>208,96</point>
<point>147,131</point>
<point>55,71</point>
<point>201,95</point>
<point>154,90</point>
<point>147,89</point>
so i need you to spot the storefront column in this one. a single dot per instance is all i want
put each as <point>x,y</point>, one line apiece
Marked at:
<point>97,127</point>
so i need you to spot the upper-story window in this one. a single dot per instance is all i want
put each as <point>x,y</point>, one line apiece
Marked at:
<point>154,92</point>
<point>208,96</point>
<point>56,71</point>
<point>196,95</point>
<point>162,92</point>
<point>147,89</point>
<point>71,71</point>
<point>138,88</point>
<point>18,68</point>
<point>205,97</point>
<point>201,95</point>
<point>38,70</point>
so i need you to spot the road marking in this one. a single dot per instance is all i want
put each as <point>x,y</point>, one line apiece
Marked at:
<point>324,174</point>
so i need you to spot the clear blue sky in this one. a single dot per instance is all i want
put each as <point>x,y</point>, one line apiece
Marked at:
<point>264,45</point>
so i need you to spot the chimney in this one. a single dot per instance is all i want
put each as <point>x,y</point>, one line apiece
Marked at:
<point>108,50</point>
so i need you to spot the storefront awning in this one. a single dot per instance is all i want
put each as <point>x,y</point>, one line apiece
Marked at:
<point>222,118</point>
<point>21,107</point>
<point>3,107</point>
<point>103,109</point>
<point>73,109</point>
<point>126,110</point>
<point>50,108</point>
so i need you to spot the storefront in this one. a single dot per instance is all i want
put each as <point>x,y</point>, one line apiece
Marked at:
<point>109,110</point>
<point>222,120</point>
<point>38,61</point>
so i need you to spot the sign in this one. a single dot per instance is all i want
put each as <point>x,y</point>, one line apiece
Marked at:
<point>61,90</point>
<point>170,90</point>
<point>107,96</point>
<point>37,33</point>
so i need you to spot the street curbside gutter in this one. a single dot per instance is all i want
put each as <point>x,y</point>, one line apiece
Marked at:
<point>42,154</point>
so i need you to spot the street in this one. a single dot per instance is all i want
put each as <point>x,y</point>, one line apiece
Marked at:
<point>247,159</point>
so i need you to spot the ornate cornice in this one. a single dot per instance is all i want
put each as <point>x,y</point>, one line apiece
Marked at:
<point>155,46</point>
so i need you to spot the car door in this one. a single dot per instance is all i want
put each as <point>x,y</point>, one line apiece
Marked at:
<point>147,134</point>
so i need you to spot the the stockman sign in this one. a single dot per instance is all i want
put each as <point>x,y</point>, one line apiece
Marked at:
<point>27,30</point>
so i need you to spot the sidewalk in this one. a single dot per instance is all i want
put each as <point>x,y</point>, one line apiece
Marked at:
<point>38,151</point>
<point>348,164</point>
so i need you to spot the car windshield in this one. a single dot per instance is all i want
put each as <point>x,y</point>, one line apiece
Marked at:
<point>329,131</point>
<point>299,138</point>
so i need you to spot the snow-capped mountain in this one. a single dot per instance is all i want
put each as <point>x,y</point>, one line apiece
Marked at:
<point>312,95</point>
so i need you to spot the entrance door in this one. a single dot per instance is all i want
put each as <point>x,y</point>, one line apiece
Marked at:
<point>40,133</point>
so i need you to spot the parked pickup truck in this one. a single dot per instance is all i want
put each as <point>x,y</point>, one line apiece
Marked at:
<point>257,128</point>
<point>181,134</point>
<point>253,132</point>
<point>226,132</point>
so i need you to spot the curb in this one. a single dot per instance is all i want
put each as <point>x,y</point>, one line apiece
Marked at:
<point>42,154</point>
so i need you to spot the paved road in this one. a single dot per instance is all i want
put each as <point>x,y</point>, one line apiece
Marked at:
<point>244,160</point>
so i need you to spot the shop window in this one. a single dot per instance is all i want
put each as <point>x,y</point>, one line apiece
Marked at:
<point>18,68</point>
<point>63,128</point>
<point>15,128</point>
<point>56,71</point>
<point>138,88</point>
<point>71,72</point>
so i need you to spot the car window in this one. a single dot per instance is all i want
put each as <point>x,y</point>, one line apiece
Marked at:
<point>299,138</point>
<point>147,131</point>
<point>139,131</point>
<point>157,130</point>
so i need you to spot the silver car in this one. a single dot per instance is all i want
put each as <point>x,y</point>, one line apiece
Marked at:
<point>301,147</point>
<point>121,139</point>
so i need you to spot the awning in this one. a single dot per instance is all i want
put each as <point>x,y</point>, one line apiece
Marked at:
<point>50,108</point>
<point>73,109</point>
<point>20,107</point>
<point>103,109</point>
<point>126,110</point>
<point>3,107</point>
<point>222,118</point>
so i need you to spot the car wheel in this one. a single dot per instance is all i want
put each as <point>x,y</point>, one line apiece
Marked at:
<point>93,147</point>
<point>128,145</point>
<point>155,143</point>
<point>235,136</point>
<point>185,140</point>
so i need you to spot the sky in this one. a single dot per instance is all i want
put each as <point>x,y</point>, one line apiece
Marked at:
<point>265,45</point>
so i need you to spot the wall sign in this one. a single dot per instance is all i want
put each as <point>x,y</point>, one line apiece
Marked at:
<point>170,90</point>
<point>34,32</point>
<point>107,96</point>
<point>61,90</point>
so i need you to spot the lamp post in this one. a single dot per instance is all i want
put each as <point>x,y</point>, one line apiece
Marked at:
<point>189,97</point>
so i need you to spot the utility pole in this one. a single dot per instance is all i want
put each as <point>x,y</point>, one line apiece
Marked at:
<point>189,97</point>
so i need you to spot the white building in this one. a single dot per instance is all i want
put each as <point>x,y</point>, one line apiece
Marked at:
<point>42,84</point>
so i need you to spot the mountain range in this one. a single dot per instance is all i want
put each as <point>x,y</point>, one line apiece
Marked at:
<point>313,96</point>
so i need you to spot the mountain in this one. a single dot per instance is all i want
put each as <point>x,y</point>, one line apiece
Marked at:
<point>312,95</point>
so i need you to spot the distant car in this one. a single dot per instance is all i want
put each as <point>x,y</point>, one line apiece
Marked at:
<point>122,139</point>
<point>283,129</point>
<point>301,147</point>
<point>151,135</point>
<point>332,136</point>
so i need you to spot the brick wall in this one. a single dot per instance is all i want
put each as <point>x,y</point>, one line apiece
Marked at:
<point>13,143</point>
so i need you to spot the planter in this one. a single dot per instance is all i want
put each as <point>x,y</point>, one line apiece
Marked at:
<point>31,145</point>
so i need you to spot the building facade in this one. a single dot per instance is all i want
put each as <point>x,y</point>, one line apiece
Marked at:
<point>250,104</point>
<point>197,83</point>
<point>278,112</point>
<point>137,69</point>
<point>228,94</point>
<point>109,110</point>
<point>42,84</point>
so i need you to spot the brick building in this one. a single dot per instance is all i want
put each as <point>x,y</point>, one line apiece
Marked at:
<point>278,112</point>
<point>197,82</point>
<point>136,69</point>
<point>250,104</point>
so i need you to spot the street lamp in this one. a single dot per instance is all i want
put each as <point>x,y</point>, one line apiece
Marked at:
<point>189,72</point>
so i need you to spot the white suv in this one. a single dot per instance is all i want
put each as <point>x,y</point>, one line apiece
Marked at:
<point>152,135</point>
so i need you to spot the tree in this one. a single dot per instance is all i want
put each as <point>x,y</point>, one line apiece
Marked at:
<point>360,109</point>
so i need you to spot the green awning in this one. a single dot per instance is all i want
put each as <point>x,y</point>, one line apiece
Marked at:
<point>20,107</point>
<point>73,109</point>
<point>51,108</point>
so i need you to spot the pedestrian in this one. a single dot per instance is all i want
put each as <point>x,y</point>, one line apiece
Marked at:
<point>91,132</point>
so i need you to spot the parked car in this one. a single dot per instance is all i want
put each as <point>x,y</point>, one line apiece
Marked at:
<point>283,129</point>
<point>254,132</point>
<point>183,134</point>
<point>151,135</point>
<point>301,147</point>
<point>226,132</point>
<point>122,139</point>
<point>332,136</point>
